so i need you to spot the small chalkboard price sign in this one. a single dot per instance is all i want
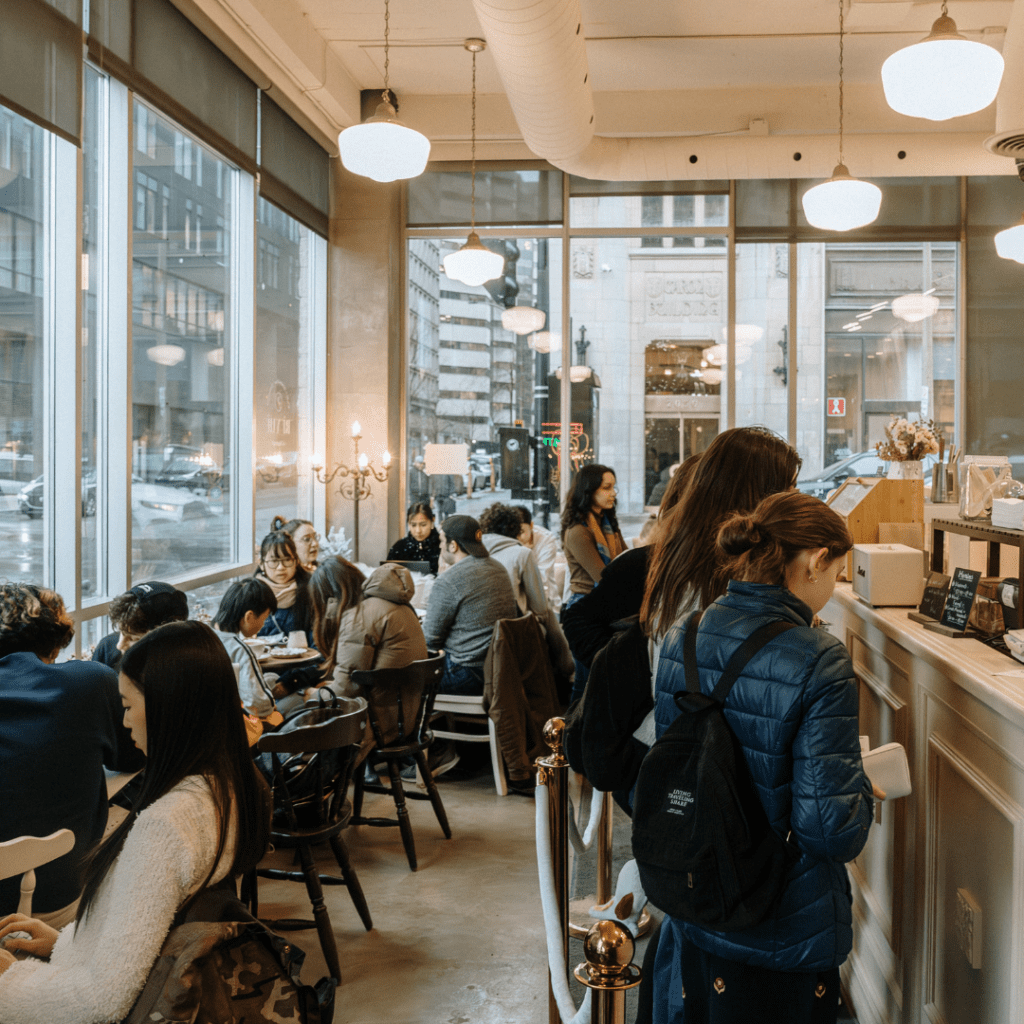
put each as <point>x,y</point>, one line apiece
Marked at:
<point>963,588</point>
<point>934,597</point>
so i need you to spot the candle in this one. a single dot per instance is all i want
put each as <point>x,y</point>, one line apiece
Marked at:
<point>357,431</point>
<point>364,461</point>
<point>316,462</point>
<point>387,459</point>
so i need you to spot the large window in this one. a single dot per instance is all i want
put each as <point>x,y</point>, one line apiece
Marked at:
<point>183,467</point>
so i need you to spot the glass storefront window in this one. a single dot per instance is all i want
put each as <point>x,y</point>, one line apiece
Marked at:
<point>182,465</point>
<point>283,420</point>
<point>24,473</point>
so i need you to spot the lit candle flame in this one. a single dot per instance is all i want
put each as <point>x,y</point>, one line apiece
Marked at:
<point>357,430</point>
<point>387,459</point>
<point>316,462</point>
<point>364,461</point>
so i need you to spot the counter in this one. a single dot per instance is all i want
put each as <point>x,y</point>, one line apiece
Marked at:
<point>938,891</point>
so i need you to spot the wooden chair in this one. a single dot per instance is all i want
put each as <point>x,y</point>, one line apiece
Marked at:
<point>324,742</point>
<point>23,855</point>
<point>400,702</point>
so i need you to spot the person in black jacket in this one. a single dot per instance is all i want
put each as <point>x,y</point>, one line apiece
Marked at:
<point>60,725</point>
<point>422,543</point>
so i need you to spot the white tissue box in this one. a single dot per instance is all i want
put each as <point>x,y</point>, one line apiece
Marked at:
<point>888,574</point>
<point>1008,513</point>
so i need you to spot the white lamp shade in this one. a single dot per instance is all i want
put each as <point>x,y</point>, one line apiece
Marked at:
<point>717,355</point>
<point>543,341</point>
<point>1010,243</point>
<point>914,307</point>
<point>943,76</point>
<point>474,263</point>
<point>165,355</point>
<point>842,203</point>
<point>382,148</point>
<point>578,374</point>
<point>712,375</point>
<point>215,357</point>
<point>523,319</point>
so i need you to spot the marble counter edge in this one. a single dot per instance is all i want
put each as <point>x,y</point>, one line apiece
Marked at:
<point>949,656</point>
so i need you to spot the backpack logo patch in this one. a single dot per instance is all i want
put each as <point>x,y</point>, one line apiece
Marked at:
<point>678,800</point>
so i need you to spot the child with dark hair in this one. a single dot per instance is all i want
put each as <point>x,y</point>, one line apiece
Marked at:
<point>243,610</point>
<point>134,613</point>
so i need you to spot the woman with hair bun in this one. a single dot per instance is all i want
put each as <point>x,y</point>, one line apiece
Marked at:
<point>793,711</point>
<point>307,540</point>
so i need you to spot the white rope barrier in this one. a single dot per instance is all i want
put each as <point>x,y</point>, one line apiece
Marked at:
<point>552,925</point>
<point>582,845</point>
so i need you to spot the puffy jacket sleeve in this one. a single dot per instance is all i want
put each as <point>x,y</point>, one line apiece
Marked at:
<point>832,802</point>
<point>357,642</point>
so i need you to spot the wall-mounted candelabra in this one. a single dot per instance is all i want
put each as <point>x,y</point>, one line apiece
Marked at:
<point>355,479</point>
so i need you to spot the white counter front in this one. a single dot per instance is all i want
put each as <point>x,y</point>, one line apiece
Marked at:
<point>946,864</point>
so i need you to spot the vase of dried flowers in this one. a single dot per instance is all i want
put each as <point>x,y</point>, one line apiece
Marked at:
<point>905,446</point>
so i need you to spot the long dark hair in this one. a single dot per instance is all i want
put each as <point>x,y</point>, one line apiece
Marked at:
<point>281,544</point>
<point>419,508</point>
<point>336,586</point>
<point>579,501</point>
<point>194,726</point>
<point>739,468</point>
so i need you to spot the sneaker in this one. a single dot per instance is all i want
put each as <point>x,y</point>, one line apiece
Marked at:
<point>439,760</point>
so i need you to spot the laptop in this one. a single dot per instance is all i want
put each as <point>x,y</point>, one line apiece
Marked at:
<point>423,567</point>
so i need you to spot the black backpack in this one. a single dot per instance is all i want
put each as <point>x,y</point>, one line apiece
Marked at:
<point>701,838</point>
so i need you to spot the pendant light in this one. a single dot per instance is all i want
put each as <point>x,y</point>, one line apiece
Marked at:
<point>523,319</point>
<point>544,341</point>
<point>382,148</point>
<point>944,75</point>
<point>843,202</point>
<point>915,307</point>
<point>474,263</point>
<point>1010,242</point>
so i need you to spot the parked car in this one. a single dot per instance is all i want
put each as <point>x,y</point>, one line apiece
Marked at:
<point>861,464</point>
<point>480,467</point>
<point>30,497</point>
<point>156,503</point>
<point>194,471</point>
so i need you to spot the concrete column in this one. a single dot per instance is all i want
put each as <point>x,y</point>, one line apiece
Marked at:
<point>364,358</point>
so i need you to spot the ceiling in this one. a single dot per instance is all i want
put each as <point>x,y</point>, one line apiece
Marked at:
<point>687,67</point>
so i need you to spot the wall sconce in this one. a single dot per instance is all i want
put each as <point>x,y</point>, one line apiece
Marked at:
<point>355,480</point>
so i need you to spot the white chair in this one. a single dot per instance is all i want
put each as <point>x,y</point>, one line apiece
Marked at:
<point>23,855</point>
<point>458,708</point>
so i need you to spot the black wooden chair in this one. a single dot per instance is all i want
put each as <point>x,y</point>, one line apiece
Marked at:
<point>313,756</point>
<point>400,702</point>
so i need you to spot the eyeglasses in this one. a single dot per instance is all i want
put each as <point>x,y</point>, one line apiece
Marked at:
<point>274,563</point>
<point>309,539</point>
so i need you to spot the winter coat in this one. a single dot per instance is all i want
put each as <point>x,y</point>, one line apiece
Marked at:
<point>382,631</point>
<point>408,549</point>
<point>794,712</point>
<point>521,566</point>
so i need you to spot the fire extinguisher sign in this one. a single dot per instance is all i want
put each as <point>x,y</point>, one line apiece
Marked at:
<point>837,407</point>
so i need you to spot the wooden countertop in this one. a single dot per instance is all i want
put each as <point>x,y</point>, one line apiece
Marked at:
<point>968,663</point>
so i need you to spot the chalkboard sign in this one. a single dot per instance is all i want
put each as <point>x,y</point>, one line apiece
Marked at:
<point>935,589</point>
<point>962,590</point>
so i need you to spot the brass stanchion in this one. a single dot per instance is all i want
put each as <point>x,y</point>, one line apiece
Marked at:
<point>553,772</point>
<point>609,971</point>
<point>605,885</point>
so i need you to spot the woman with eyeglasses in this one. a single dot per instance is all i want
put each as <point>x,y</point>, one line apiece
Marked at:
<point>282,571</point>
<point>307,540</point>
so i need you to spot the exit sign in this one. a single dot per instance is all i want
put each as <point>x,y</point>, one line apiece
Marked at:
<point>836,406</point>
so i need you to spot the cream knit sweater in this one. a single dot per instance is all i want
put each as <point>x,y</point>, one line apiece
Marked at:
<point>97,971</point>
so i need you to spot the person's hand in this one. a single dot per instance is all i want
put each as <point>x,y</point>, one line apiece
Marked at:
<point>879,794</point>
<point>42,936</point>
<point>6,959</point>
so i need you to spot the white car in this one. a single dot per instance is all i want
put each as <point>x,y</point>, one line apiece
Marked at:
<point>158,503</point>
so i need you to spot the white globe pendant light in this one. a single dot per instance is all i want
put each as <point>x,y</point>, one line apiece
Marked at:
<point>523,319</point>
<point>915,307</point>
<point>1010,242</point>
<point>543,341</point>
<point>943,76</point>
<point>474,263</point>
<point>843,202</point>
<point>382,148</point>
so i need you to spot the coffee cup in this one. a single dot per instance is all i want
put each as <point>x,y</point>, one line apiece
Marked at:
<point>297,638</point>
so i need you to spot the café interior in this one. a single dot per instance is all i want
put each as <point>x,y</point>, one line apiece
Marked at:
<point>593,234</point>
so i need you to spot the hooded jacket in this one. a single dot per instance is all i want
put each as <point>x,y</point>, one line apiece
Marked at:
<point>794,712</point>
<point>382,631</point>
<point>521,566</point>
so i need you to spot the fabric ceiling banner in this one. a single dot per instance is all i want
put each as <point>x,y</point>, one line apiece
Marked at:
<point>178,59</point>
<point>41,65</point>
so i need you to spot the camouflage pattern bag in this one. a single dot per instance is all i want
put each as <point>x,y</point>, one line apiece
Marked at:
<point>235,971</point>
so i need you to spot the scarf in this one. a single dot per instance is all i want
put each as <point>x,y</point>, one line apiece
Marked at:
<point>608,541</point>
<point>284,592</point>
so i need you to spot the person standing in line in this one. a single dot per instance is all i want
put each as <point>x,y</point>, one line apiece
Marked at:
<point>793,711</point>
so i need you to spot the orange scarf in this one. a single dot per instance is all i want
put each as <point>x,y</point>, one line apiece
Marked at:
<point>609,545</point>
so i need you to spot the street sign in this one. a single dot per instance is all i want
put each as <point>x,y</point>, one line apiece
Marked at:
<point>836,406</point>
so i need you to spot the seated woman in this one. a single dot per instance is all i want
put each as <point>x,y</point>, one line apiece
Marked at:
<point>134,613</point>
<point>422,543</point>
<point>201,817</point>
<point>307,540</point>
<point>280,569</point>
<point>243,610</point>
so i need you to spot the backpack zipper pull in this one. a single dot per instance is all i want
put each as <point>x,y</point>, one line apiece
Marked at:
<point>689,879</point>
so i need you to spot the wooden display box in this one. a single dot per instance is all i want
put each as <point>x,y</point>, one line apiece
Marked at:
<point>865,502</point>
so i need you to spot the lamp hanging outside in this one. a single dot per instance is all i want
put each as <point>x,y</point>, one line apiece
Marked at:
<point>944,75</point>
<point>915,307</point>
<point>474,263</point>
<point>382,148</point>
<point>1010,242</point>
<point>843,202</point>
<point>542,341</point>
<point>523,319</point>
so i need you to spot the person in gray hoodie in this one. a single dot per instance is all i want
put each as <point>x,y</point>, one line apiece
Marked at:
<point>501,525</point>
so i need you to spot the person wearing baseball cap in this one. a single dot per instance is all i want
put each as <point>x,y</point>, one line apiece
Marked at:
<point>468,598</point>
<point>134,613</point>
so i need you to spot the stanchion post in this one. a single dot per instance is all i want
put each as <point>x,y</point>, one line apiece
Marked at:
<point>553,772</point>
<point>608,971</point>
<point>605,886</point>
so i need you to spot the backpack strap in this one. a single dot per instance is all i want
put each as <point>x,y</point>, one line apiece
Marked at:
<point>690,652</point>
<point>746,650</point>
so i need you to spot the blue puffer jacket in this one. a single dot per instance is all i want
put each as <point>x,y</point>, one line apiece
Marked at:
<point>794,711</point>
